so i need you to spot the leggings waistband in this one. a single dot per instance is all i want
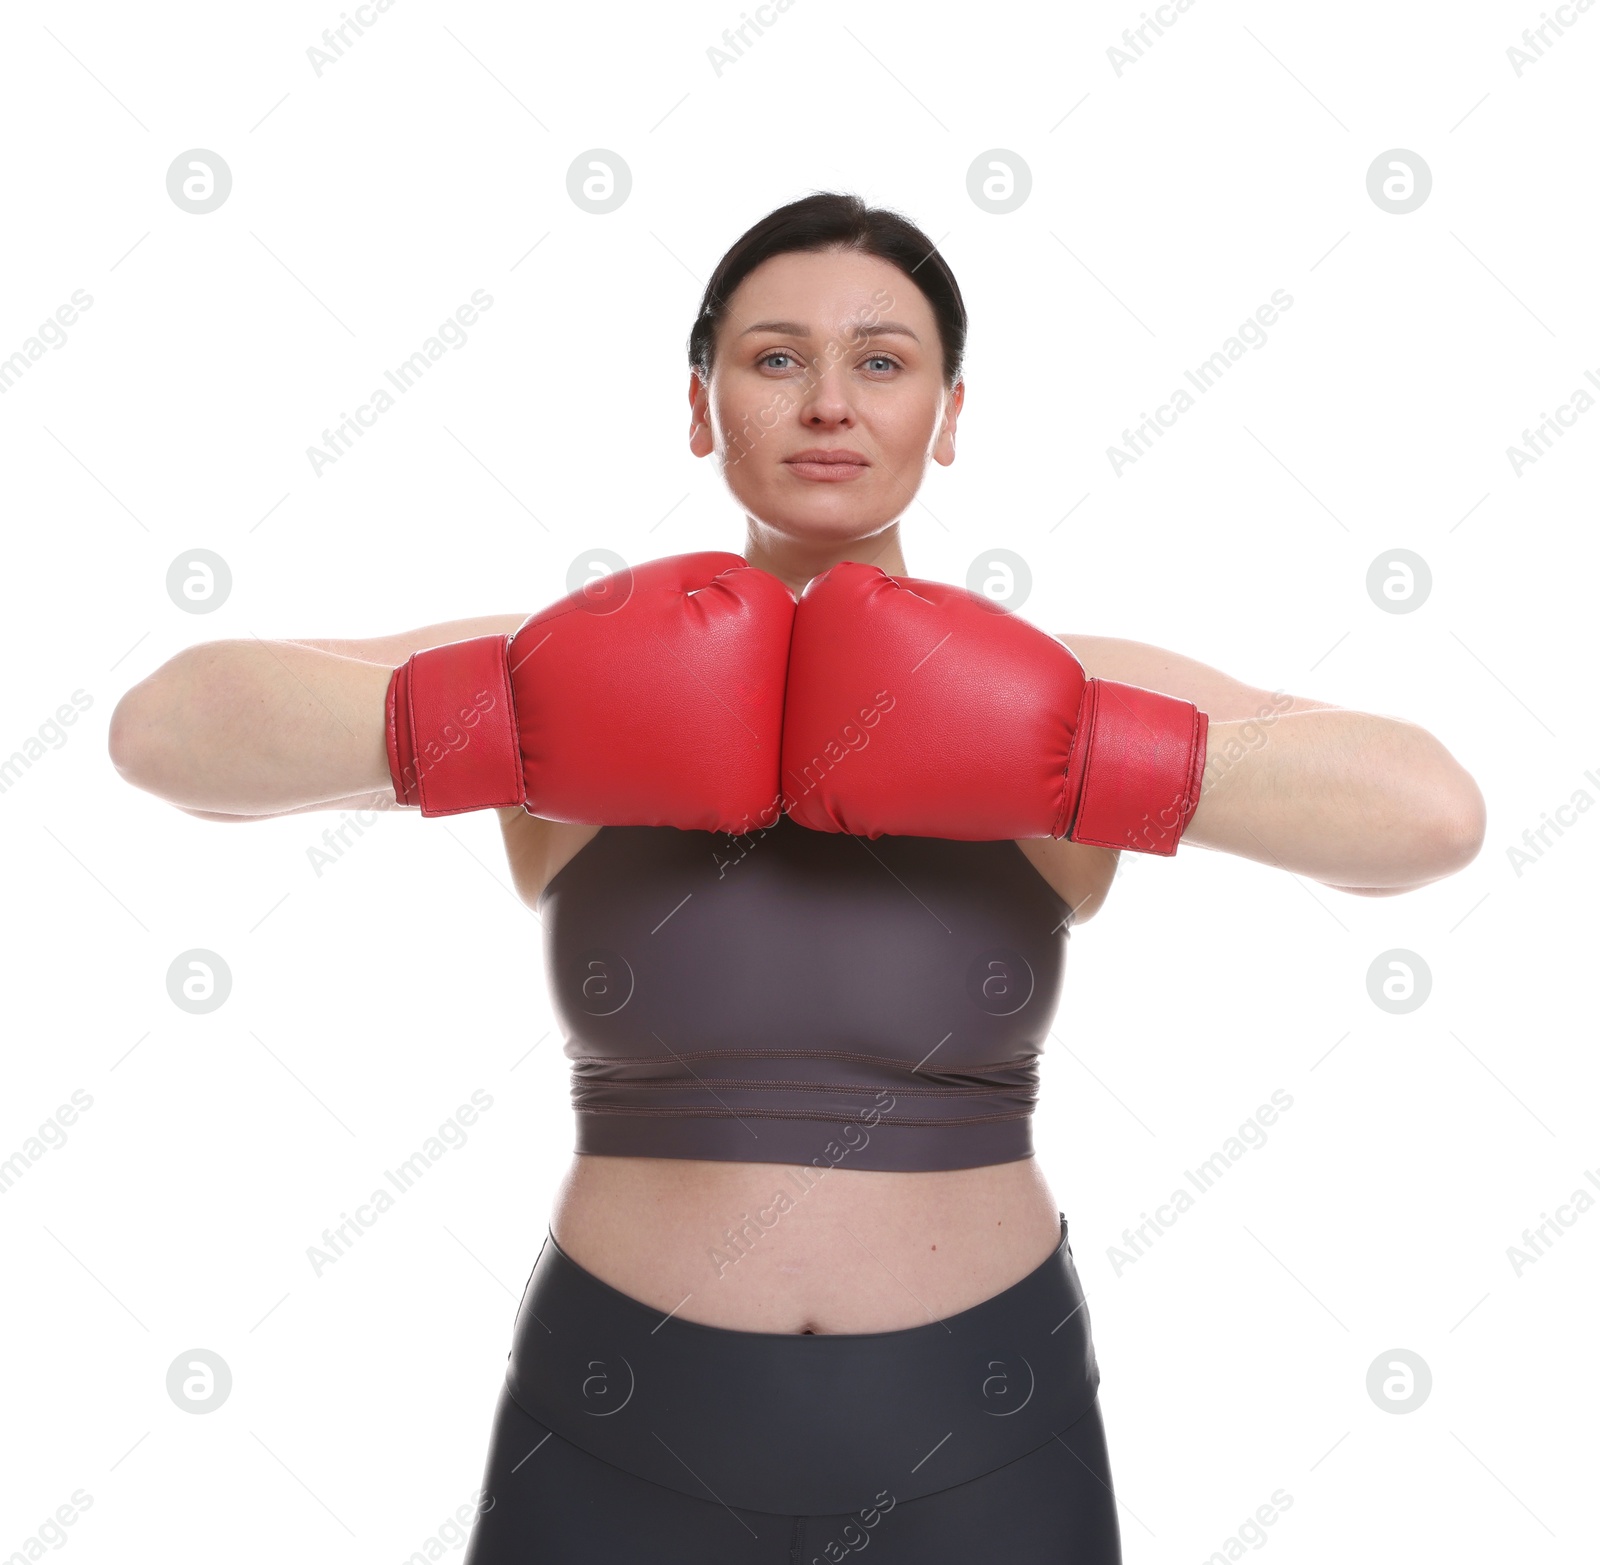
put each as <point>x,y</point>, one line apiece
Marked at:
<point>794,1423</point>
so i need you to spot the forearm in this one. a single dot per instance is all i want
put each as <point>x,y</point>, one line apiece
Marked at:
<point>1354,800</point>
<point>252,728</point>
<point>365,802</point>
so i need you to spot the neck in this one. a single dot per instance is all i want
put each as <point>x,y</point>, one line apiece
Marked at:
<point>795,561</point>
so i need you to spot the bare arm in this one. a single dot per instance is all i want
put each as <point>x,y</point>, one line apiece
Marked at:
<point>240,730</point>
<point>1360,802</point>
<point>1368,804</point>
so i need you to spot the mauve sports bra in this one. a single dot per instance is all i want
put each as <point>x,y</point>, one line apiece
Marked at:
<point>795,996</point>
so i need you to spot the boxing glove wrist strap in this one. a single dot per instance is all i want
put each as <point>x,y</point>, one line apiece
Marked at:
<point>451,729</point>
<point>1136,768</point>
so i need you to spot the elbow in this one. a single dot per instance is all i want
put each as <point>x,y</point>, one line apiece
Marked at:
<point>1444,843</point>
<point>142,738</point>
<point>131,736</point>
<point>1452,840</point>
<point>1460,828</point>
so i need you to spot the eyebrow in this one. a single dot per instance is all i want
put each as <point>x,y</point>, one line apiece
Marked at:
<point>795,329</point>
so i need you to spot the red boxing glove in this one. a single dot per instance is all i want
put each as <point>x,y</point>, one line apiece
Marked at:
<point>651,698</point>
<point>925,710</point>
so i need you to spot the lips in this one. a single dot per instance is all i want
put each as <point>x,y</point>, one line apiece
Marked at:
<point>831,458</point>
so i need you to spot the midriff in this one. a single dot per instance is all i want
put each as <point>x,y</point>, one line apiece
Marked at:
<point>854,1251</point>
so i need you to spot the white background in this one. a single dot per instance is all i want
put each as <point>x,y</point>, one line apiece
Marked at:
<point>1167,203</point>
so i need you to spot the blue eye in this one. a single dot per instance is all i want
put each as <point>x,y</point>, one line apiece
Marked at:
<point>784,353</point>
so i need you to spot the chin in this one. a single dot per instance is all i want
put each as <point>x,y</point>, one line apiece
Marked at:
<point>845,519</point>
<point>826,530</point>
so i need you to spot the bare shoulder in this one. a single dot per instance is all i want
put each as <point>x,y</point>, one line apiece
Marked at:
<point>536,849</point>
<point>1079,874</point>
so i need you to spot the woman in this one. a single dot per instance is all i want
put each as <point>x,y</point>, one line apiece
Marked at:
<point>806,1288</point>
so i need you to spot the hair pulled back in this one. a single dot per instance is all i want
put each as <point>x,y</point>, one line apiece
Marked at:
<point>829,220</point>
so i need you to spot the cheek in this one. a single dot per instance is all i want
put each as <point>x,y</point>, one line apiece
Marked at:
<point>905,433</point>
<point>746,418</point>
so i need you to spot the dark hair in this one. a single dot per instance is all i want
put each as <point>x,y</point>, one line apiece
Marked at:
<point>823,221</point>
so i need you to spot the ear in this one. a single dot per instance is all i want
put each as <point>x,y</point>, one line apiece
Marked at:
<point>700,441</point>
<point>944,446</point>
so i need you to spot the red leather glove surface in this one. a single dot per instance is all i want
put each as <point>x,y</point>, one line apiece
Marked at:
<point>921,709</point>
<point>655,700</point>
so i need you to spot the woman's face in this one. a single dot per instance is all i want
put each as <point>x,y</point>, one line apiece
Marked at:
<point>831,352</point>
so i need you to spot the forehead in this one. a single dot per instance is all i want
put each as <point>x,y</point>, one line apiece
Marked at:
<point>827,290</point>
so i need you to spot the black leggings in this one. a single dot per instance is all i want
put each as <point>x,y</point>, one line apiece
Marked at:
<point>622,1436</point>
